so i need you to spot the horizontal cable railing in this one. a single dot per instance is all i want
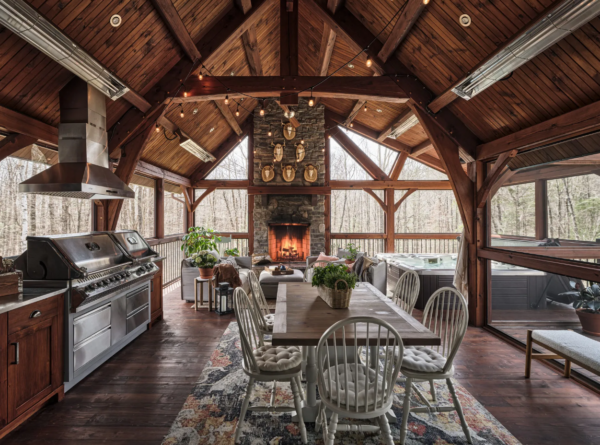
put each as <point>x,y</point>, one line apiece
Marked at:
<point>240,243</point>
<point>170,248</point>
<point>429,245</point>
<point>371,246</point>
<point>374,243</point>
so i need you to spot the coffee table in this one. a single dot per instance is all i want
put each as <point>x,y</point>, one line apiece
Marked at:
<point>270,282</point>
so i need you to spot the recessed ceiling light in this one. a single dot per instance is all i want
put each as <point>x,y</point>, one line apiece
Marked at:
<point>465,20</point>
<point>211,130</point>
<point>379,110</point>
<point>350,65</point>
<point>195,111</point>
<point>116,20</point>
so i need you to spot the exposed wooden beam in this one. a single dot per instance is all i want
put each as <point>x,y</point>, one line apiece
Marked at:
<point>226,31</point>
<point>229,117</point>
<point>286,109</point>
<point>378,88</point>
<point>492,176</point>
<point>421,148</point>
<point>551,172</point>
<point>355,110</point>
<point>390,184</point>
<point>225,184</point>
<point>360,156</point>
<point>244,5</point>
<point>377,199</point>
<point>16,122</point>
<point>197,202</point>
<point>401,200</point>
<point>358,37</point>
<point>463,187</point>
<point>412,11</point>
<point>566,126</point>
<point>127,165</point>
<point>506,174</point>
<point>252,52</point>
<point>221,152</point>
<point>288,190</point>
<point>325,51</point>
<point>13,143</point>
<point>188,199</point>
<point>171,18</point>
<point>146,169</point>
<point>398,166</point>
<point>448,96</point>
<point>401,125</point>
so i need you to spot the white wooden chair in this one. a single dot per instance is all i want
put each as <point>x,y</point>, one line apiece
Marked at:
<point>266,363</point>
<point>354,389</point>
<point>265,318</point>
<point>445,315</point>
<point>406,291</point>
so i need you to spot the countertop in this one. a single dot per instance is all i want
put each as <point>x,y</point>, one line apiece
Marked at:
<point>29,296</point>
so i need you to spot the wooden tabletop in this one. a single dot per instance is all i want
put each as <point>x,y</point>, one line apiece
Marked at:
<point>301,316</point>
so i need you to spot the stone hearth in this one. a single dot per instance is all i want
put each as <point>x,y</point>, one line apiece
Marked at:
<point>281,209</point>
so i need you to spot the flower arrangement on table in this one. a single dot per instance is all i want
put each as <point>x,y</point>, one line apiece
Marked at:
<point>335,283</point>
<point>204,260</point>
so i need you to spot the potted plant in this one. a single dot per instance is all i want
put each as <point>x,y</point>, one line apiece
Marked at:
<point>199,239</point>
<point>587,305</point>
<point>232,252</point>
<point>351,257</point>
<point>204,261</point>
<point>335,283</point>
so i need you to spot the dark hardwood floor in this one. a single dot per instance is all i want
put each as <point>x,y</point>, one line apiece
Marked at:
<point>134,398</point>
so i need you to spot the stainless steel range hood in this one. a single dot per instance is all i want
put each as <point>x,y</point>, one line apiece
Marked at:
<point>83,165</point>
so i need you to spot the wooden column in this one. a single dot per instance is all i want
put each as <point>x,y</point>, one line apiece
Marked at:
<point>251,197</point>
<point>99,215</point>
<point>478,275</point>
<point>390,229</point>
<point>541,209</point>
<point>328,224</point>
<point>188,220</point>
<point>159,208</point>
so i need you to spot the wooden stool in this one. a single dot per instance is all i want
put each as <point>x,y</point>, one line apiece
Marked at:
<point>210,292</point>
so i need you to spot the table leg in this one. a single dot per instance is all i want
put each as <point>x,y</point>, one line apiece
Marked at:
<point>311,406</point>
<point>196,295</point>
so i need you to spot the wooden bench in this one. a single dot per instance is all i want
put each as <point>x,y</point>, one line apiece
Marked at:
<point>567,345</point>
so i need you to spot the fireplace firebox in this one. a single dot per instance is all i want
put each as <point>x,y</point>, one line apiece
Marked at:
<point>289,241</point>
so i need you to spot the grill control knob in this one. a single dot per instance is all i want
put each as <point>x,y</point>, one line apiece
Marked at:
<point>105,282</point>
<point>94,286</point>
<point>128,273</point>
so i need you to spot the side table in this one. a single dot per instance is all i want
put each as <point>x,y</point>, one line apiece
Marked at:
<point>210,292</point>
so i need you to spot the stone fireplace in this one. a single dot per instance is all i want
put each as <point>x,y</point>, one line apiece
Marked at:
<point>289,221</point>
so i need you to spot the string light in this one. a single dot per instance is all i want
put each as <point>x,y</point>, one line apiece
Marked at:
<point>185,94</point>
<point>200,76</point>
<point>369,61</point>
<point>425,2</point>
<point>365,109</point>
<point>262,111</point>
<point>270,133</point>
<point>302,141</point>
<point>237,111</point>
<point>226,99</point>
<point>182,114</point>
<point>311,101</point>
<point>157,128</point>
<point>351,125</point>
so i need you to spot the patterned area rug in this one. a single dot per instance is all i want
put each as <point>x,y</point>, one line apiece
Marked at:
<point>210,413</point>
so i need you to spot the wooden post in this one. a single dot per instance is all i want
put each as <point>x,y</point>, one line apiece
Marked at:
<point>541,209</point>
<point>328,224</point>
<point>389,220</point>
<point>478,266</point>
<point>188,215</point>
<point>159,213</point>
<point>251,182</point>
<point>99,218</point>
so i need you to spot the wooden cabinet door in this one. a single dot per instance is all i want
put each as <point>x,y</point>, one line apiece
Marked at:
<point>3,370</point>
<point>34,356</point>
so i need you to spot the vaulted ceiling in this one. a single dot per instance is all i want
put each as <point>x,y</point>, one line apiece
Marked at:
<point>437,49</point>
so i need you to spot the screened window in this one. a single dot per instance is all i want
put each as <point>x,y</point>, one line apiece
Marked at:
<point>24,214</point>
<point>235,165</point>
<point>223,210</point>
<point>574,208</point>
<point>138,213</point>
<point>428,211</point>
<point>355,211</point>
<point>175,210</point>
<point>416,171</point>
<point>513,210</point>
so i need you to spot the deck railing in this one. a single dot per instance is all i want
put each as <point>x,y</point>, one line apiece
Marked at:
<point>170,248</point>
<point>374,243</point>
<point>239,240</point>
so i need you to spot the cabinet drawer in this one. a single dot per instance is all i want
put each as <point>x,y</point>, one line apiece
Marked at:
<point>137,319</point>
<point>91,323</point>
<point>32,314</point>
<point>137,300</point>
<point>91,348</point>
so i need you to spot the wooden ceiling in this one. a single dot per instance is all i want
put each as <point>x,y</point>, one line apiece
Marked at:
<point>437,49</point>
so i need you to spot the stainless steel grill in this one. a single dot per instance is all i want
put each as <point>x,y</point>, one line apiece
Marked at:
<point>107,305</point>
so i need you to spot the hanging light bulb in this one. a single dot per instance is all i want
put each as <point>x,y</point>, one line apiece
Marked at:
<point>226,99</point>
<point>365,109</point>
<point>157,128</point>
<point>302,141</point>
<point>237,111</point>
<point>200,76</point>
<point>182,114</point>
<point>425,2</point>
<point>262,112</point>
<point>351,125</point>
<point>369,61</point>
<point>185,94</point>
<point>270,133</point>
<point>329,137</point>
<point>311,101</point>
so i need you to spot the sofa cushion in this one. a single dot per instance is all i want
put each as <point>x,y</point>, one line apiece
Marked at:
<point>244,261</point>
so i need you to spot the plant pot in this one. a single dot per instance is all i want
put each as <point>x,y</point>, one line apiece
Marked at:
<point>336,298</point>
<point>206,272</point>
<point>590,322</point>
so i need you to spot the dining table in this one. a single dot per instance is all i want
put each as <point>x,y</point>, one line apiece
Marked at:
<point>302,317</point>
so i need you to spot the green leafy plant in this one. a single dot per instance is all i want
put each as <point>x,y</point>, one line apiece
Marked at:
<point>351,247</point>
<point>588,299</point>
<point>203,259</point>
<point>327,276</point>
<point>232,252</point>
<point>199,239</point>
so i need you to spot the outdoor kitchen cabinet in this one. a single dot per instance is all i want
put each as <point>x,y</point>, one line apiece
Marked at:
<point>156,295</point>
<point>31,360</point>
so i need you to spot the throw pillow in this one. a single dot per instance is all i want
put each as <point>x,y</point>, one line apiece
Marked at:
<point>259,259</point>
<point>230,260</point>
<point>323,257</point>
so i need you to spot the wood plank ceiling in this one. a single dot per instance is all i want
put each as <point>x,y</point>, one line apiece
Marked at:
<point>437,49</point>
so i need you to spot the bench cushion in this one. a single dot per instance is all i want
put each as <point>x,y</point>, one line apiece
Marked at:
<point>573,345</point>
<point>266,277</point>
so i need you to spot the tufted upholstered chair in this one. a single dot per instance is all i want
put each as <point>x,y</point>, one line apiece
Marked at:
<point>353,389</point>
<point>266,363</point>
<point>446,316</point>
<point>264,316</point>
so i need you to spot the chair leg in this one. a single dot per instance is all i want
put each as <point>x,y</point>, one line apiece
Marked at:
<point>432,390</point>
<point>459,410</point>
<point>319,419</point>
<point>386,433</point>
<point>405,410</point>
<point>300,389</point>
<point>298,404</point>
<point>528,351</point>
<point>238,428</point>
<point>332,429</point>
